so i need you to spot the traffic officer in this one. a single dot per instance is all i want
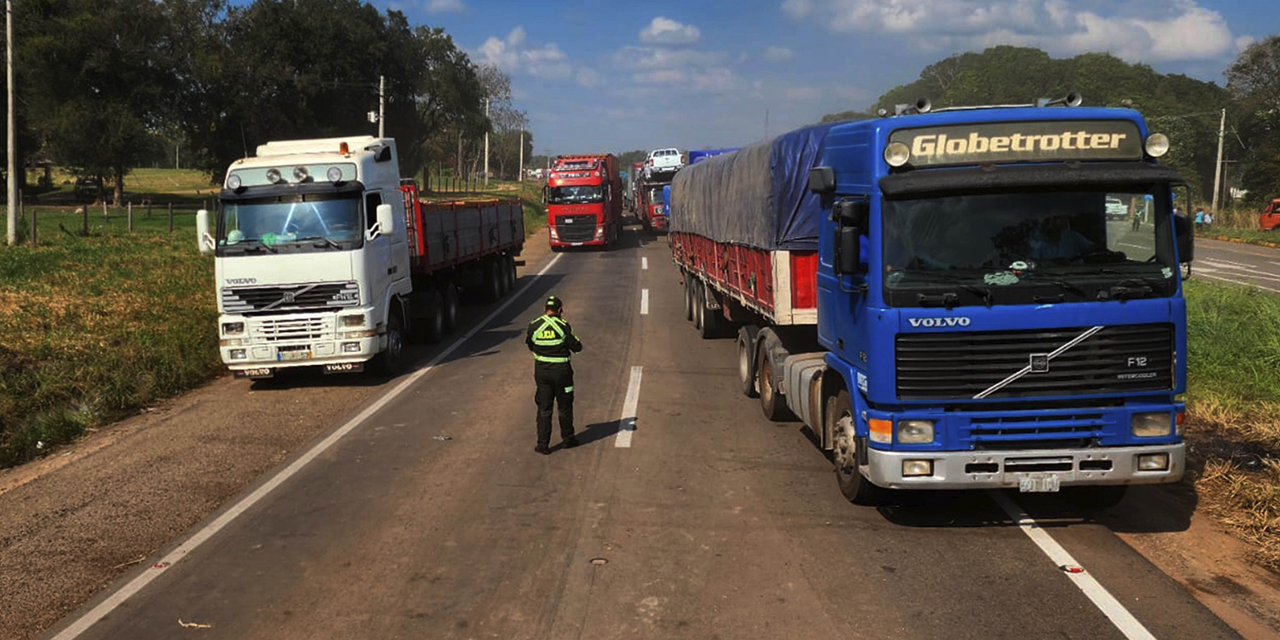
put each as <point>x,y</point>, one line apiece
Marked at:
<point>553,343</point>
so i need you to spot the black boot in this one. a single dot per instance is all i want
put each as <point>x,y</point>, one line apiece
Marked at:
<point>543,449</point>
<point>571,442</point>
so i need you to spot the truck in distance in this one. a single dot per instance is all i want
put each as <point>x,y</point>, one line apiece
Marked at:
<point>661,164</point>
<point>939,298</point>
<point>324,257</point>
<point>1270,217</point>
<point>584,201</point>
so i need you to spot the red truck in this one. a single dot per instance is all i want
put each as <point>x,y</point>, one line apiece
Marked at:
<point>584,201</point>
<point>650,207</point>
<point>1270,218</point>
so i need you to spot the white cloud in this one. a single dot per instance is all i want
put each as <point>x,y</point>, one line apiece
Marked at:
<point>663,30</point>
<point>661,58</point>
<point>588,77</point>
<point>511,54</point>
<point>1181,31</point>
<point>774,53</point>
<point>446,6</point>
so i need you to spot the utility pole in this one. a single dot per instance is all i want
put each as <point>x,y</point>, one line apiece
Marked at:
<point>13,140</point>
<point>486,143</point>
<point>520,175</point>
<point>382,106</point>
<point>1217,167</point>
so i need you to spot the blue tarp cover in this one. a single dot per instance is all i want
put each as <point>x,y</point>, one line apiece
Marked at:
<point>757,196</point>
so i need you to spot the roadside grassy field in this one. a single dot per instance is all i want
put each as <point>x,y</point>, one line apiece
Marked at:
<point>1246,236</point>
<point>1233,405</point>
<point>96,326</point>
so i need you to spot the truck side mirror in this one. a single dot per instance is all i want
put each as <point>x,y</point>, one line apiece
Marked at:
<point>1185,237</point>
<point>386,223</point>
<point>822,180</point>
<point>204,240</point>
<point>848,249</point>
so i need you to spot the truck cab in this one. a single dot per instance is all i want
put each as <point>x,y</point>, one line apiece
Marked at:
<point>1270,218</point>
<point>584,201</point>
<point>311,257</point>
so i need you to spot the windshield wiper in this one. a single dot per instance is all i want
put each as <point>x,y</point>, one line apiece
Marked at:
<point>1124,289</point>
<point>324,242</point>
<point>245,248</point>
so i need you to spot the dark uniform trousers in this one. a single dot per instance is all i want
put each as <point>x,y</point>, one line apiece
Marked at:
<point>555,383</point>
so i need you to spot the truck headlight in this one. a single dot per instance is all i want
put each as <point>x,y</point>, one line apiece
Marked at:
<point>915,431</point>
<point>554,235</point>
<point>599,232</point>
<point>356,320</point>
<point>1153,462</point>
<point>232,328</point>
<point>237,354</point>
<point>1152,425</point>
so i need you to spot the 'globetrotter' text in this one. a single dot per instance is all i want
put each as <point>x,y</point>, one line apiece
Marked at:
<point>941,145</point>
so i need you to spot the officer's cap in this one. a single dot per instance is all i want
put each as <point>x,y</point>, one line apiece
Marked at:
<point>554,303</point>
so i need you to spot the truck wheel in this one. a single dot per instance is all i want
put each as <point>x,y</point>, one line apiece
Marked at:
<point>688,298</point>
<point>746,364</point>
<point>772,403</point>
<point>698,305</point>
<point>855,487</point>
<point>712,321</point>
<point>449,298</point>
<point>510,263</point>
<point>492,282</point>
<point>392,359</point>
<point>1095,498</point>
<point>430,328</point>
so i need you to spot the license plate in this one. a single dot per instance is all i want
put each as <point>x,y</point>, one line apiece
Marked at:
<point>263,372</point>
<point>294,355</point>
<point>1038,483</point>
<point>344,367</point>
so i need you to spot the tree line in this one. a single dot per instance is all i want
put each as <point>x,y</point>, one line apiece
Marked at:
<point>1184,108</point>
<point>104,86</point>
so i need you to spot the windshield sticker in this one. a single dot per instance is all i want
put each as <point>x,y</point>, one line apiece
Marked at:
<point>1003,278</point>
<point>993,142</point>
<point>1167,273</point>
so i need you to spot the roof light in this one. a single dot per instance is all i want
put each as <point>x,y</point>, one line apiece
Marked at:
<point>344,149</point>
<point>334,174</point>
<point>233,183</point>
<point>273,175</point>
<point>301,174</point>
<point>896,154</point>
<point>1157,145</point>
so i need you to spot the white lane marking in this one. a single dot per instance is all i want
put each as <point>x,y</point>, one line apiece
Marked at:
<point>644,262</point>
<point>1274,262</point>
<point>167,563</point>
<point>627,423</point>
<point>1220,261</point>
<point>1201,272</point>
<point>644,302</point>
<point>1135,246</point>
<point>1101,598</point>
<point>1249,272</point>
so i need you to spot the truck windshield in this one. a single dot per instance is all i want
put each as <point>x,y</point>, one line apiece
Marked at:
<point>304,222</point>
<point>583,194</point>
<point>1029,247</point>
<point>655,196</point>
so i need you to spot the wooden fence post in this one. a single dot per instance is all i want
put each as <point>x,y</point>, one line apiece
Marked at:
<point>84,230</point>
<point>34,238</point>
<point>129,213</point>
<point>148,208</point>
<point>170,217</point>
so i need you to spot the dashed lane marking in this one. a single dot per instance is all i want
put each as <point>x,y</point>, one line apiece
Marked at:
<point>1101,598</point>
<point>644,262</point>
<point>1201,273</point>
<point>644,302</point>
<point>165,564</point>
<point>627,423</point>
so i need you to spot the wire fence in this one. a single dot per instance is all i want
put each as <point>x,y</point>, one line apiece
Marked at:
<point>40,225</point>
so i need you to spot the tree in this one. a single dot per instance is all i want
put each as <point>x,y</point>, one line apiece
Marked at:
<point>1254,83</point>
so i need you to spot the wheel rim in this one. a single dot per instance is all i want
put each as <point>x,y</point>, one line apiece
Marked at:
<point>766,380</point>
<point>395,343</point>
<point>744,363</point>
<point>844,450</point>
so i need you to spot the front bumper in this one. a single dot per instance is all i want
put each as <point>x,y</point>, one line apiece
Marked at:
<point>1004,469</point>
<point>272,343</point>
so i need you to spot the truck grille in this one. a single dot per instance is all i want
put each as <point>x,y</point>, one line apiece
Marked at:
<point>301,297</point>
<point>291,329</point>
<point>960,365</point>
<point>995,432</point>
<point>579,228</point>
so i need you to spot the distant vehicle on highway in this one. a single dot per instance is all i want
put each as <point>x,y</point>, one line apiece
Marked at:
<point>1270,218</point>
<point>1116,209</point>
<point>88,188</point>
<point>662,162</point>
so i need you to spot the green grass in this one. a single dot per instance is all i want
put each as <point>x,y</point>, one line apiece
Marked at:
<point>1233,405</point>
<point>1246,236</point>
<point>94,328</point>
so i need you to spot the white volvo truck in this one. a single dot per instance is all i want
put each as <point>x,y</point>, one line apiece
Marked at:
<point>325,258</point>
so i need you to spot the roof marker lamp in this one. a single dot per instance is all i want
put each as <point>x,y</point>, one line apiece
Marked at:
<point>1157,145</point>
<point>334,174</point>
<point>301,174</point>
<point>233,183</point>
<point>896,154</point>
<point>273,175</point>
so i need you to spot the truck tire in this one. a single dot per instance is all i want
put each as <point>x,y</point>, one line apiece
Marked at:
<point>712,321</point>
<point>747,363</point>
<point>688,297</point>
<point>492,281</point>
<point>698,305</point>
<point>449,300</point>
<point>391,361</point>
<point>430,328</point>
<point>844,454</point>
<point>509,262</point>
<point>772,403</point>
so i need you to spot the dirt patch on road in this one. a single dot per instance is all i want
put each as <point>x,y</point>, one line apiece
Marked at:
<point>72,523</point>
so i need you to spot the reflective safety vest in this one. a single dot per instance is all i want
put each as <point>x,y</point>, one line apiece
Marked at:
<point>550,332</point>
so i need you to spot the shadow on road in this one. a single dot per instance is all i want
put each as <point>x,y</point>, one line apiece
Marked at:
<point>597,431</point>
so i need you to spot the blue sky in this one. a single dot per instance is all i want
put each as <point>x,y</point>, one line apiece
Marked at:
<point>610,76</point>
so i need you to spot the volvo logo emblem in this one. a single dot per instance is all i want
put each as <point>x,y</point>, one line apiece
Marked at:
<point>1039,363</point>
<point>938,323</point>
<point>289,296</point>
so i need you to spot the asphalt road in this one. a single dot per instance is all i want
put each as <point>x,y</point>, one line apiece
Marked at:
<point>1238,264</point>
<point>428,515</point>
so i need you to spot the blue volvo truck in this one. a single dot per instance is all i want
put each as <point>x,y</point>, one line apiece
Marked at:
<point>941,298</point>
